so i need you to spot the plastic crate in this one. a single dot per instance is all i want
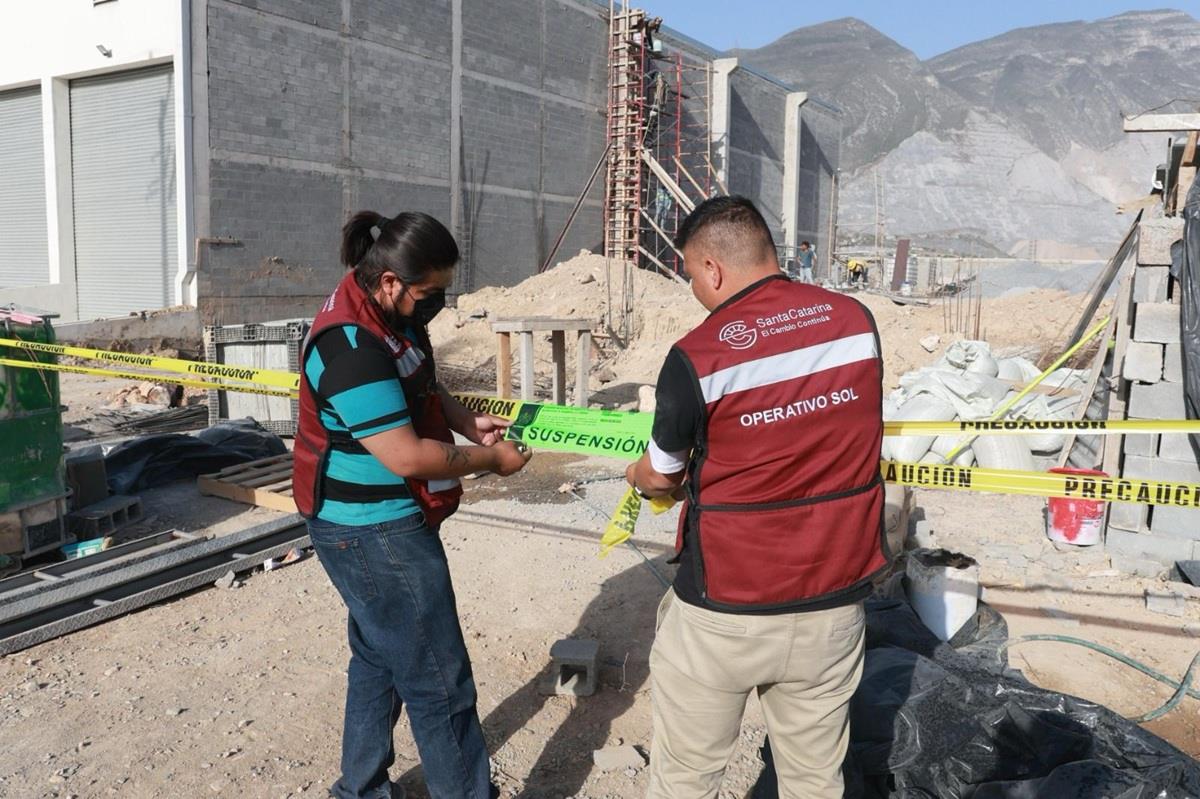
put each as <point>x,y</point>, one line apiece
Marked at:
<point>269,345</point>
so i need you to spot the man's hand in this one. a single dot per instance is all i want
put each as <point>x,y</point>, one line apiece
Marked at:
<point>642,475</point>
<point>510,457</point>
<point>486,429</point>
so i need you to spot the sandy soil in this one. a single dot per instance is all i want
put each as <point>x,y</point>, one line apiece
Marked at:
<point>1030,323</point>
<point>239,692</point>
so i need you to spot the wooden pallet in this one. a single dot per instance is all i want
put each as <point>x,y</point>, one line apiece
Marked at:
<point>266,483</point>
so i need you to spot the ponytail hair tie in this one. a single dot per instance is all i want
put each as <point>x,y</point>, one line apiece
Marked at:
<point>377,230</point>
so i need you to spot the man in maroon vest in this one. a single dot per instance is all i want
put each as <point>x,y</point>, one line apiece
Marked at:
<point>769,421</point>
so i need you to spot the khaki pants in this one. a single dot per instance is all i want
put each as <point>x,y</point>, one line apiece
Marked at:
<point>804,666</point>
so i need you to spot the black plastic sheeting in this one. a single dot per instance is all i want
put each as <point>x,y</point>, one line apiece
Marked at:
<point>150,461</point>
<point>932,720</point>
<point>1185,268</point>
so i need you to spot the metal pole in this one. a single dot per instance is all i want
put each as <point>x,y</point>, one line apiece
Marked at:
<point>579,202</point>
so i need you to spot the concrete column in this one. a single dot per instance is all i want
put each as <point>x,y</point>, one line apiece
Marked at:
<point>721,108</point>
<point>60,213</point>
<point>790,207</point>
<point>185,275</point>
<point>456,190</point>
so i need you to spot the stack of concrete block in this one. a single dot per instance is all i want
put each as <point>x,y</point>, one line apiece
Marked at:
<point>1153,370</point>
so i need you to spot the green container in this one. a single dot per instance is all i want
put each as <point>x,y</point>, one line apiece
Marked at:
<point>32,466</point>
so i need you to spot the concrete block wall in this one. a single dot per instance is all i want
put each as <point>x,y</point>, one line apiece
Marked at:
<point>1152,369</point>
<point>488,114</point>
<point>756,143</point>
<point>820,150</point>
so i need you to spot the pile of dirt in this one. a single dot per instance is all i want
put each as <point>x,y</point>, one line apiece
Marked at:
<point>663,310</point>
<point>1028,323</point>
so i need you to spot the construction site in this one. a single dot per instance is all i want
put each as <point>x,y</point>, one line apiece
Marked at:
<point>165,626</point>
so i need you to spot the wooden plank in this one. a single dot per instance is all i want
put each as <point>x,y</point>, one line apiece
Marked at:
<point>1189,149</point>
<point>660,232</point>
<point>660,265</point>
<point>1118,397</point>
<point>504,365</point>
<point>265,480</point>
<point>1097,368</point>
<point>688,175</point>
<point>258,472</point>
<point>558,354</point>
<point>584,367</point>
<point>230,471</point>
<point>1161,123</point>
<point>668,182</point>
<point>526,365</point>
<point>248,496</point>
<point>526,324</point>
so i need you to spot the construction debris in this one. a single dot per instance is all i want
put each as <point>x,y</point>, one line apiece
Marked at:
<point>618,758</point>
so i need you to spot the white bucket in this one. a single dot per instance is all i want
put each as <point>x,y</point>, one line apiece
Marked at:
<point>943,588</point>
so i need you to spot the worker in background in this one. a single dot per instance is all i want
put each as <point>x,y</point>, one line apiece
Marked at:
<point>857,270</point>
<point>376,473</point>
<point>769,418</point>
<point>805,257</point>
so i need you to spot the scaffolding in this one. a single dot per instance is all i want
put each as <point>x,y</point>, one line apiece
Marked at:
<point>659,167</point>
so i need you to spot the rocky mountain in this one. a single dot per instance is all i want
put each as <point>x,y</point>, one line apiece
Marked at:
<point>1007,145</point>
<point>886,92</point>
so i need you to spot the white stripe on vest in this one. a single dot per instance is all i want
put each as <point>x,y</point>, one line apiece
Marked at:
<point>410,361</point>
<point>788,366</point>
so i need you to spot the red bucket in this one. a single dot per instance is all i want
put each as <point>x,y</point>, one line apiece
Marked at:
<point>1075,521</point>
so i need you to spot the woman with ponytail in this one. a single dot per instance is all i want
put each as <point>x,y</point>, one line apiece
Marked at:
<point>376,473</point>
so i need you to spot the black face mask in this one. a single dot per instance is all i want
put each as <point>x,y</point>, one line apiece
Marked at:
<point>426,308</point>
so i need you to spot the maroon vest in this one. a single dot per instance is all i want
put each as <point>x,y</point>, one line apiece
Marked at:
<point>350,305</point>
<point>785,503</point>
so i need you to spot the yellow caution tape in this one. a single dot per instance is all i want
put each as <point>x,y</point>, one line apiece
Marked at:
<point>620,526</point>
<point>1042,484</point>
<point>662,504</point>
<point>199,369</point>
<point>1018,427</point>
<point>142,377</point>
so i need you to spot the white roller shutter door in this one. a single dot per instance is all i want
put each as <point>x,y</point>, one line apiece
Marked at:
<point>23,240</point>
<point>123,176</point>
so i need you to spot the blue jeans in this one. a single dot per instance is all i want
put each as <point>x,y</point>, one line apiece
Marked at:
<point>406,647</point>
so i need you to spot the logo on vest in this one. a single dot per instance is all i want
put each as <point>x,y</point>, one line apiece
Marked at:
<point>738,335</point>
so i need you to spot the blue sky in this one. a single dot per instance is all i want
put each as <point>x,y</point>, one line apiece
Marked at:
<point>927,27</point>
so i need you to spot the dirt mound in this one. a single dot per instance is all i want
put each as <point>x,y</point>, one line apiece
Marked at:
<point>663,310</point>
<point>1028,323</point>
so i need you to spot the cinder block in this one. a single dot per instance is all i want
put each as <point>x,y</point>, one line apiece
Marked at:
<point>576,666</point>
<point>1143,546</point>
<point>1150,283</point>
<point>1155,237</point>
<point>1138,567</point>
<point>1161,468</point>
<point>1156,322</point>
<point>1143,362</point>
<point>1167,520</point>
<point>1144,444</point>
<point>1176,447</point>
<point>1168,603</point>
<point>1130,517</point>
<point>1156,401</point>
<point>1173,363</point>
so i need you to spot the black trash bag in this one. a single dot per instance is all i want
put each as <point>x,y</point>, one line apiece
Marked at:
<point>1185,268</point>
<point>149,461</point>
<point>951,721</point>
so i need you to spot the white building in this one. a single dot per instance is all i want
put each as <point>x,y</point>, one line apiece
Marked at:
<point>94,145</point>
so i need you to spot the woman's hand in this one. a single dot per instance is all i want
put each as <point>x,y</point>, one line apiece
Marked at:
<point>486,429</point>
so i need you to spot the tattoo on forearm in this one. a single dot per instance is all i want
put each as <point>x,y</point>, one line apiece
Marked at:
<point>454,455</point>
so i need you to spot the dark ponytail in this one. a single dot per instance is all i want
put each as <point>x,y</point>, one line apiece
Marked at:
<point>412,245</point>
